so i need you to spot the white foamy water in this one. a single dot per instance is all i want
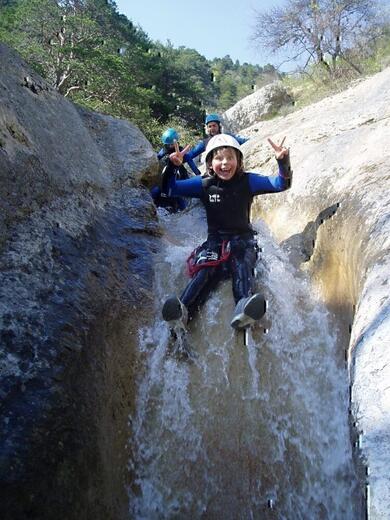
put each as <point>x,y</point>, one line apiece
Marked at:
<point>256,426</point>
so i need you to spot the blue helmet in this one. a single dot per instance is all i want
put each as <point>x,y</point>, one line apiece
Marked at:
<point>211,118</point>
<point>169,136</point>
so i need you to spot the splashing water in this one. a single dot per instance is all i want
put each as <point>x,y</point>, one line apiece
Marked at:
<point>256,426</point>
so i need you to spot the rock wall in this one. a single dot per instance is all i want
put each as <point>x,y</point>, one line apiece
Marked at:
<point>337,211</point>
<point>260,105</point>
<point>77,235</point>
<point>78,231</point>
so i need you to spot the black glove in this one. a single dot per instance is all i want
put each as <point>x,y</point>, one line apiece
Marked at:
<point>285,169</point>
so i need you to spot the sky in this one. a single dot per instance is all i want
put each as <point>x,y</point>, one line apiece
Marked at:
<point>215,28</point>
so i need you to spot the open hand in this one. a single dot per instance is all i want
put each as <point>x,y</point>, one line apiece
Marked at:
<point>280,150</point>
<point>177,156</point>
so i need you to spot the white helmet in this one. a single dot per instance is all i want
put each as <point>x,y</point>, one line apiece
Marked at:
<point>221,140</point>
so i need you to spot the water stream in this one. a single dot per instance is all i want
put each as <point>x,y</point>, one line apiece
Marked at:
<point>256,426</point>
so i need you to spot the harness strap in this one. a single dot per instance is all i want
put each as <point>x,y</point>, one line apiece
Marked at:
<point>207,259</point>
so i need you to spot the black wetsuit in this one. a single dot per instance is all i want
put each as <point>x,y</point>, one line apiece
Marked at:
<point>227,205</point>
<point>160,195</point>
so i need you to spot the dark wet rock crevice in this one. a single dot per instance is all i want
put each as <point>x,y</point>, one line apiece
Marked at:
<point>78,236</point>
<point>69,354</point>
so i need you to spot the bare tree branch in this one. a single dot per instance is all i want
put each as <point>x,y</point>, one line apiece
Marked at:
<point>324,31</point>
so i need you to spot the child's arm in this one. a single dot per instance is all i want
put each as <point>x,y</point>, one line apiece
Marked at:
<point>195,151</point>
<point>240,139</point>
<point>187,188</point>
<point>261,184</point>
<point>161,154</point>
<point>191,164</point>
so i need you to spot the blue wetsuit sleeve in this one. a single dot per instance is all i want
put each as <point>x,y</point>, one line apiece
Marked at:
<point>186,188</point>
<point>240,139</point>
<point>161,154</point>
<point>195,151</point>
<point>192,165</point>
<point>261,184</point>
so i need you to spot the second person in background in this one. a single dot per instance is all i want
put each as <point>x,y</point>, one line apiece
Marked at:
<point>159,193</point>
<point>213,126</point>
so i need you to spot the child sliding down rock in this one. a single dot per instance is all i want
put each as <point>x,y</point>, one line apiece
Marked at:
<point>230,250</point>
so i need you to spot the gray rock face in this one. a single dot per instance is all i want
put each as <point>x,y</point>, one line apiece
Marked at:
<point>256,107</point>
<point>78,231</point>
<point>340,156</point>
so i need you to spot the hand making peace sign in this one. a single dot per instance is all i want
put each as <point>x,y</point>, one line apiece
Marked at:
<point>280,150</point>
<point>177,156</point>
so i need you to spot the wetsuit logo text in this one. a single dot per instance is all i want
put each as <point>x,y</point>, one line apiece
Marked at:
<point>214,197</point>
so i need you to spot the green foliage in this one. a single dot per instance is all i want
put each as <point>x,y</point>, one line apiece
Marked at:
<point>315,83</point>
<point>330,34</point>
<point>234,81</point>
<point>97,58</point>
<point>90,53</point>
<point>154,130</point>
<point>180,80</point>
<point>377,56</point>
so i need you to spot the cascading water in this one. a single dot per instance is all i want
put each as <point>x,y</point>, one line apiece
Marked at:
<point>256,426</point>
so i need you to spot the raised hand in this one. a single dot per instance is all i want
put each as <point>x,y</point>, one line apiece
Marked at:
<point>280,150</point>
<point>177,156</point>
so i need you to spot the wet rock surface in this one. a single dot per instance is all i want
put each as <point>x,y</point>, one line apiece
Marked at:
<point>77,236</point>
<point>78,233</point>
<point>260,105</point>
<point>340,158</point>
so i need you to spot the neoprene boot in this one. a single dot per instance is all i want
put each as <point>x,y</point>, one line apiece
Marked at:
<point>248,310</point>
<point>174,310</point>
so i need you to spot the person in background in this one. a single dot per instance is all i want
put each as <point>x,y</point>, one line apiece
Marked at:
<point>230,250</point>
<point>160,192</point>
<point>213,127</point>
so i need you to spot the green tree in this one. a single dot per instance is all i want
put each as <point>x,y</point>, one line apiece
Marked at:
<point>98,58</point>
<point>75,44</point>
<point>233,81</point>
<point>228,94</point>
<point>181,82</point>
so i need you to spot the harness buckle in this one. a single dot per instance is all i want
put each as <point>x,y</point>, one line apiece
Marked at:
<point>207,256</point>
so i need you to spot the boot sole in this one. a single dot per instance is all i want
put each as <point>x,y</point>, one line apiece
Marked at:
<point>172,309</point>
<point>254,309</point>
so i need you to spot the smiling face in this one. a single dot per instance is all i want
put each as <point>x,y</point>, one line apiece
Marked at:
<point>212,128</point>
<point>225,162</point>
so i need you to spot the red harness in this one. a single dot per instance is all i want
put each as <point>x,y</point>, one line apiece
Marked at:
<point>210,260</point>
